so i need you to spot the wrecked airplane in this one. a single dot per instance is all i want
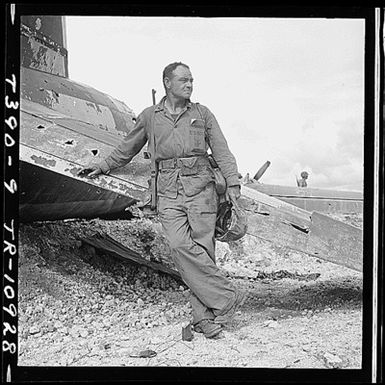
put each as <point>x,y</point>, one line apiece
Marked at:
<point>66,125</point>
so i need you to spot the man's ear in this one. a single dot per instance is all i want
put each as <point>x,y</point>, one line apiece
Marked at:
<point>167,82</point>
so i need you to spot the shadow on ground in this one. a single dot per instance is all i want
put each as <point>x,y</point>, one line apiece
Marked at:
<point>339,293</point>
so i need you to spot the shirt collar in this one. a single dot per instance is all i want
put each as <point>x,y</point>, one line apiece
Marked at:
<point>160,106</point>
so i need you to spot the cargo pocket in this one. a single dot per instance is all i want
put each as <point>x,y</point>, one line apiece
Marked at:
<point>194,184</point>
<point>205,202</point>
<point>202,214</point>
<point>166,183</point>
<point>189,167</point>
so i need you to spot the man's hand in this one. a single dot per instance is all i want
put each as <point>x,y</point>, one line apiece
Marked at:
<point>91,171</point>
<point>233,193</point>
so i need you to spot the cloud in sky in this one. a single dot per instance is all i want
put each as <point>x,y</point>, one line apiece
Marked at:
<point>285,90</point>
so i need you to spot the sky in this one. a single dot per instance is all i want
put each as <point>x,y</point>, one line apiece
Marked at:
<point>287,90</point>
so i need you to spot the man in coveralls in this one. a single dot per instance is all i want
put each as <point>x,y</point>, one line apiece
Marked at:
<point>187,199</point>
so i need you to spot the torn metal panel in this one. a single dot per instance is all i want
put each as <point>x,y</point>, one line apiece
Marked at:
<point>70,169</point>
<point>48,195</point>
<point>267,200</point>
<point>263,209</point>
<point>51,189</point>
<point>311,233</point>
<point>274,228</point>
<point>342,243</point>
<point>109,245</point>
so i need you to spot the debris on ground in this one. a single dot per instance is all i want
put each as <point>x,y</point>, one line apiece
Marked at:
<point>83,307</point>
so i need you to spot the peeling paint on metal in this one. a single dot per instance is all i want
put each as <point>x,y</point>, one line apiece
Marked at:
<point>53,97</point>
<point>122,187</point>
<point>43,161</point>
<point>77,101</point>
<point>73,170</point>
<point>43,58</point>
<point>42,39</point>
<point>81,109</point>
<point>94,106</point>
<point>68,168</point>
<point>90,104</point>
<point>103,182</point>
<point>90,197</point>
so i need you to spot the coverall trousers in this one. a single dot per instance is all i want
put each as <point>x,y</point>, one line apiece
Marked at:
<point>189,225</point>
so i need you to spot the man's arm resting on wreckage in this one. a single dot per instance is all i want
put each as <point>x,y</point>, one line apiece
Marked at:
<point>127,149</point>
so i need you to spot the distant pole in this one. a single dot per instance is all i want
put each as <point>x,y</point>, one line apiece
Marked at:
<point>153,97</point>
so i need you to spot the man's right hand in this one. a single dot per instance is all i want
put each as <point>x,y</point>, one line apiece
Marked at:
<point>91,171</point>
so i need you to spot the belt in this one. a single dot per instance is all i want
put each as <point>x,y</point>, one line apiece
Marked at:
<point>183,162</point>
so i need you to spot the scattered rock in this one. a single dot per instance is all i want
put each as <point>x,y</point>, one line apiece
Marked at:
<point>271,324</point>
<point>332,360</point>
<point>140,302</point>
<point>92,305</point>
<point>83,333</point>
<point>34,330</point>
<point>306,348</point>
<point>51,328</point>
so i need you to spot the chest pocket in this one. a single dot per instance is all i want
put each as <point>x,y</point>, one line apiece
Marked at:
<point>197,135</point>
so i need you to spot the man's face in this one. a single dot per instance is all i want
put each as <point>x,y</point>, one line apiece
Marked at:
<point>181,84</point>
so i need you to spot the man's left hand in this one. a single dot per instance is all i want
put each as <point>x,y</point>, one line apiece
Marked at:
<point>233,193</point>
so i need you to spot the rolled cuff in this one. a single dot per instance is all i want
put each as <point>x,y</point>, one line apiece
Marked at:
<point>233,181</point>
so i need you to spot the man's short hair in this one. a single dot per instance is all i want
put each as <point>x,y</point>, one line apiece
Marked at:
<point>168,71</point>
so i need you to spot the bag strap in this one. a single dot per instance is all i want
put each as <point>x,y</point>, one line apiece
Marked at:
<point>200,113</point>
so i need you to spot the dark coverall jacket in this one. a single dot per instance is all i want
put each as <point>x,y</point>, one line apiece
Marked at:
<point>187,200</point>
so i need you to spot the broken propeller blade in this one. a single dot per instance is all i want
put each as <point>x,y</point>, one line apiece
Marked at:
<point>261,171</point>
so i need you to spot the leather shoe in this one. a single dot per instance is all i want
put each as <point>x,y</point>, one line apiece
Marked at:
<point>208,327</point>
